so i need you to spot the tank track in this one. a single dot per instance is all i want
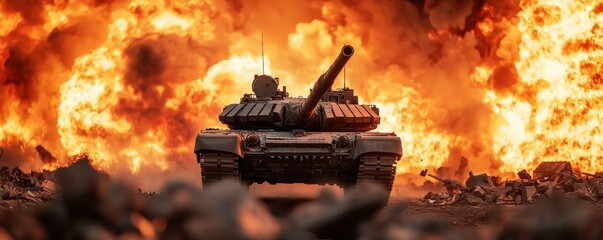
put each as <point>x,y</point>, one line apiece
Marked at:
<point>216,166</point>
<point>377,168</point>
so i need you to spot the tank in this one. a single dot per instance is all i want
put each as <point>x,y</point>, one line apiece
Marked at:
<point>325,138</point>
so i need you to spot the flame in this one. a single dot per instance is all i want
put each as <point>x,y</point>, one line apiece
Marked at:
<point>506,84</point>
<point>560,64</point>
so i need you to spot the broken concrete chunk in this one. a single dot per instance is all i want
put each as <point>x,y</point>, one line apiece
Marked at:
<point>472,199</point>
<point>524,175</point>
<point>583,194</point>
<point>527,194</point>
<point>598,190</point>
<point>490,198</point>
<point>544,186</point>
<point>49,186</point>
<point>479,192</point>
<point>482,180</point>
<point>580,186</point>
<point>502,191</point>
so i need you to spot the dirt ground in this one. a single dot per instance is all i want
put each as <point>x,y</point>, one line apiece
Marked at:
<point>463,215</point>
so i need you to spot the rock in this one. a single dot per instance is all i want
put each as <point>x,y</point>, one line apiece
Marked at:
<point>11,193</point>
<point>4,193</point>
<point>472,199</point>
<point>544,186</point>
<point>501,191</point>
<point>527,194</point>
<point>429,196</point>
<point>49,186</point>
<point>517,199</point>
<point>584,194</point>
<point>479,192</point>
<point>481,180</point>
<point>513,184</point>
<point>580,186</point>
<point>490,198</point>
<point>524,175</point>
<point>30,197</point>
<point>598,190</point>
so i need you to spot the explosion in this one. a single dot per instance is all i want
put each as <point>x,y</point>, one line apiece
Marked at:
<point>130,82</point>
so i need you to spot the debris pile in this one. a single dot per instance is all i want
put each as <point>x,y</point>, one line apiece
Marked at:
<point>551,178</point>
<point>18,189</point>
<point>89,205</point>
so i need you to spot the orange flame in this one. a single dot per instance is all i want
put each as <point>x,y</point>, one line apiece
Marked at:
<point>506,86</point>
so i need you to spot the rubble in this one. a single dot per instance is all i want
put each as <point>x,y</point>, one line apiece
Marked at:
<point>89,205</point>
<point>19,189</point>
<point>553,178</point>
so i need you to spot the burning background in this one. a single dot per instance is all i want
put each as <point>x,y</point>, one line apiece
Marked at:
<point>507,84</point>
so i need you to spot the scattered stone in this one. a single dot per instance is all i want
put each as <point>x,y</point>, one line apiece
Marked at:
<point>517,199</point>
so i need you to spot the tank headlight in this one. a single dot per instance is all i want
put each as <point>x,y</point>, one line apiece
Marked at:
<point>252,140</point>
<point>343,141</point>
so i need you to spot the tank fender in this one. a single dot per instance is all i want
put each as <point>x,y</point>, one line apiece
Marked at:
<point>230,143</point>
<point>370,144</point>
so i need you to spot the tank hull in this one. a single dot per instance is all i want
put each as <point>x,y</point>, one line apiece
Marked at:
<point>341,158</point>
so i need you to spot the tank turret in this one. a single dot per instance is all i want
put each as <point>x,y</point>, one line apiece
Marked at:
<point>322,110</point>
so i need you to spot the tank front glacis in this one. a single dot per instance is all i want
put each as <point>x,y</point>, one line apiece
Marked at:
<point>321,139</point>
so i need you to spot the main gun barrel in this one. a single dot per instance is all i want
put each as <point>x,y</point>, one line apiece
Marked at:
<point>324,82</point>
